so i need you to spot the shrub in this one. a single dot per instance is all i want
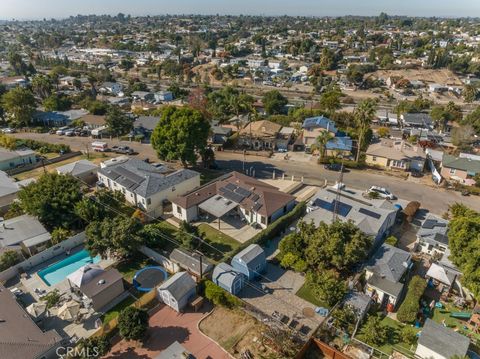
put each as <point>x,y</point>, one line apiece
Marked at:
<point>408,335</point>
<point>8,259</point>
<point>392,240</point>
<point>219,296</point>
<point>132,323</point>
<point>51,298</point>
<point>43,147</point>
<point>408,310</point>
<point>96,347</point>
<point>374,331</point>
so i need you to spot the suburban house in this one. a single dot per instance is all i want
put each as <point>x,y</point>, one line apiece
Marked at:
<point>163,96</point>
<point>20,337</point>
<point>11,159</point>
<point>432,236</point>
<point>250,262</point>
<point>219,135</point>
<point>113,88</point>
<point>226,277</point>
<point>145,186</point>
<point>8,191</point>
<point>100,286</point>
<point>177,291</point>
<point>191,262</point>
<point>143,96</point>
<point>13,81</point>
<point>146,124</point>
<point>444,278</point>
<point>439,342</point>
<point>84,170</point>
<point>339,146</point>
<point>59,118</point>
<point>94,121</point>
<point>285,137</point>
<point>235,194</point>
<point>314,126</point>
<point>375,218</point>
<point>396,155</point>
<point>460,169</point>
<point>259,135</point>
<point>24,231</point>
<point>385,275</point>
<point>419,120</point>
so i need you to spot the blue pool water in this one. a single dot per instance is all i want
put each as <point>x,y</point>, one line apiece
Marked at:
<point>60,270</point>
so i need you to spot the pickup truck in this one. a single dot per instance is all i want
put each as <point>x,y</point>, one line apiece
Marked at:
<point>124,150</point>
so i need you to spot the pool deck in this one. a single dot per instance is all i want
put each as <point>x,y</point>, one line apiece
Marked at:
<point>33,280</point>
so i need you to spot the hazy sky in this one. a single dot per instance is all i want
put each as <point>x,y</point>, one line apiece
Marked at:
<point>38,9</point>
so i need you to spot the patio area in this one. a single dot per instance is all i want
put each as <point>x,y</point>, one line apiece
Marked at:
<point>231,225</point>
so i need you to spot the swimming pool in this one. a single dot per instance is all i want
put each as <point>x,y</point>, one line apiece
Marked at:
<point>60,270</point>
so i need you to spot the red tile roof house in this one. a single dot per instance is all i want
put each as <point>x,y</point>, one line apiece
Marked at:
<point>253,200</point>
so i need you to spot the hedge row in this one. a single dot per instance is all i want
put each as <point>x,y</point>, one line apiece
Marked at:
<point>43,147</point>
<point>408,310</point>
<point>274,229</point>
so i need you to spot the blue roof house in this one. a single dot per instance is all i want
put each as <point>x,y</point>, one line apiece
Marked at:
<point>314,126</point>
<point>251,261</point>
<point>228,278</point>
<point>339,145</point>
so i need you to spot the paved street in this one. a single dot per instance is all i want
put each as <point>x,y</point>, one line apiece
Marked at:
<point>434,199</point>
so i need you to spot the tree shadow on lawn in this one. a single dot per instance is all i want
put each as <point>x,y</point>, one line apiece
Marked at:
<point>159,338</point>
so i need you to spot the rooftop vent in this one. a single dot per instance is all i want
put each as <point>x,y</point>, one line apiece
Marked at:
<point>101,281</point>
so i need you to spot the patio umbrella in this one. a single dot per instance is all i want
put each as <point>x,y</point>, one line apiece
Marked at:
<point>69,310</point>
<point>37,309</point>
<point>85,274</point>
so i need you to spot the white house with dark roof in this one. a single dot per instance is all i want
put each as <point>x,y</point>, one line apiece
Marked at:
<point>373,217</point>
<point>439,342</point>
<point>145,186</point>
<point>234,194</point>
<point>385,275</point>
<point>432,236</point>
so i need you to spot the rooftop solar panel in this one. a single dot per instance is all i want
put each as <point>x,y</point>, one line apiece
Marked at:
<point>369,213</point>
<point>232,195</point>
<point>343,209</point>
<point>230,186</point>
<point>243,191</point>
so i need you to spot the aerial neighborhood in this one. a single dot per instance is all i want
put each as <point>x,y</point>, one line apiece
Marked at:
<point>216,186</point>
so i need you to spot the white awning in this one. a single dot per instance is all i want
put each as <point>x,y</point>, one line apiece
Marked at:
<point>218,206</point>
<point>85,274</point>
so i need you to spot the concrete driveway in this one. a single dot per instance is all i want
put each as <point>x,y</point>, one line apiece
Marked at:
<point>167,326</point>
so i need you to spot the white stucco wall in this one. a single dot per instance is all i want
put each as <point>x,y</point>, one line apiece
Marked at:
<point>425,353</point>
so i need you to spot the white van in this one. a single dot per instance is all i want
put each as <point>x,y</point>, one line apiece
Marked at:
<point>99,146</point>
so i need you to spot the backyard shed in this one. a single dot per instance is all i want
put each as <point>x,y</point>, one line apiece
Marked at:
<point>226,277</point>
<point>251,261</point>
<point>177,291</point>
<point>436,341</point>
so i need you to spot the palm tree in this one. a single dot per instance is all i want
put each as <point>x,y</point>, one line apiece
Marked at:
<point>321,143</point>
<point>364,114</point>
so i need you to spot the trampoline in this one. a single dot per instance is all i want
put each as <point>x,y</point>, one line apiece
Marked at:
<point>147,278</point>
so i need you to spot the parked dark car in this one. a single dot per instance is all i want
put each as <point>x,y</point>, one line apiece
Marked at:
<point>416,174</point>
<point>334,167</point>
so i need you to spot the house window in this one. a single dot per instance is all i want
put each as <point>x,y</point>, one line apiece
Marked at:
<point>374,158</point>
<point>263,220</point>
<point>452,171</point>
<point>123,190</point>
<point>149,201</point>
<point>173,189</point>
<point>179,210</point>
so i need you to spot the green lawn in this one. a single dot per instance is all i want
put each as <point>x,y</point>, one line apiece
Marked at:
<point>394,340</point>
<point>115,311</point>
<point>306,293</point>
<point>218,240</point>
<point>129,267</point>
<point>441,314</point>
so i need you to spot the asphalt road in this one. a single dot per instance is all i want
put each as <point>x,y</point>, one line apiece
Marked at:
<point>432,198</point>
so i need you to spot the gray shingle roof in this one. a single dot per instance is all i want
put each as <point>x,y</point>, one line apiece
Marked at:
<point>190,261</point>
<point>250,253</point>
<point>459,163</point>
<point>225,274</point>
<point>178,285</point>
<point>23,228</point>
<point>77,168</point>
<point>7,185</point>
<point>434,230</point>
<point>442,340</point>
<point>389,262</point>
<point>143,178</point>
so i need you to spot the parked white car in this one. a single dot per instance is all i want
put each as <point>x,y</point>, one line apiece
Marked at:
<point>382,192</point>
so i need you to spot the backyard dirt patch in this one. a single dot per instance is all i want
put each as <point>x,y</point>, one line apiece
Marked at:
<point>235,331</point>
<point>440,76</point>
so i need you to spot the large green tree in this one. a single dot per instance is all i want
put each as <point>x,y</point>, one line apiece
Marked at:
<point>180,134</point>
<point>19,105</point>
<point>274,102</point>
<point>118,237</point>
<point>42,86</point>
<point>118,122</point>
<point>102,204</point>
<point>52,199</point>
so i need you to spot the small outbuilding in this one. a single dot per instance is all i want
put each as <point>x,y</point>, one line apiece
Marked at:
<point>439,342</point>
<point>226,277</point>
<point>84,170</point>
<point>251,261</point>
<point>177,291</point>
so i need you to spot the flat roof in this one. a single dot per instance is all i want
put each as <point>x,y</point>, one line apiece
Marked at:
<point>218,205</point>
